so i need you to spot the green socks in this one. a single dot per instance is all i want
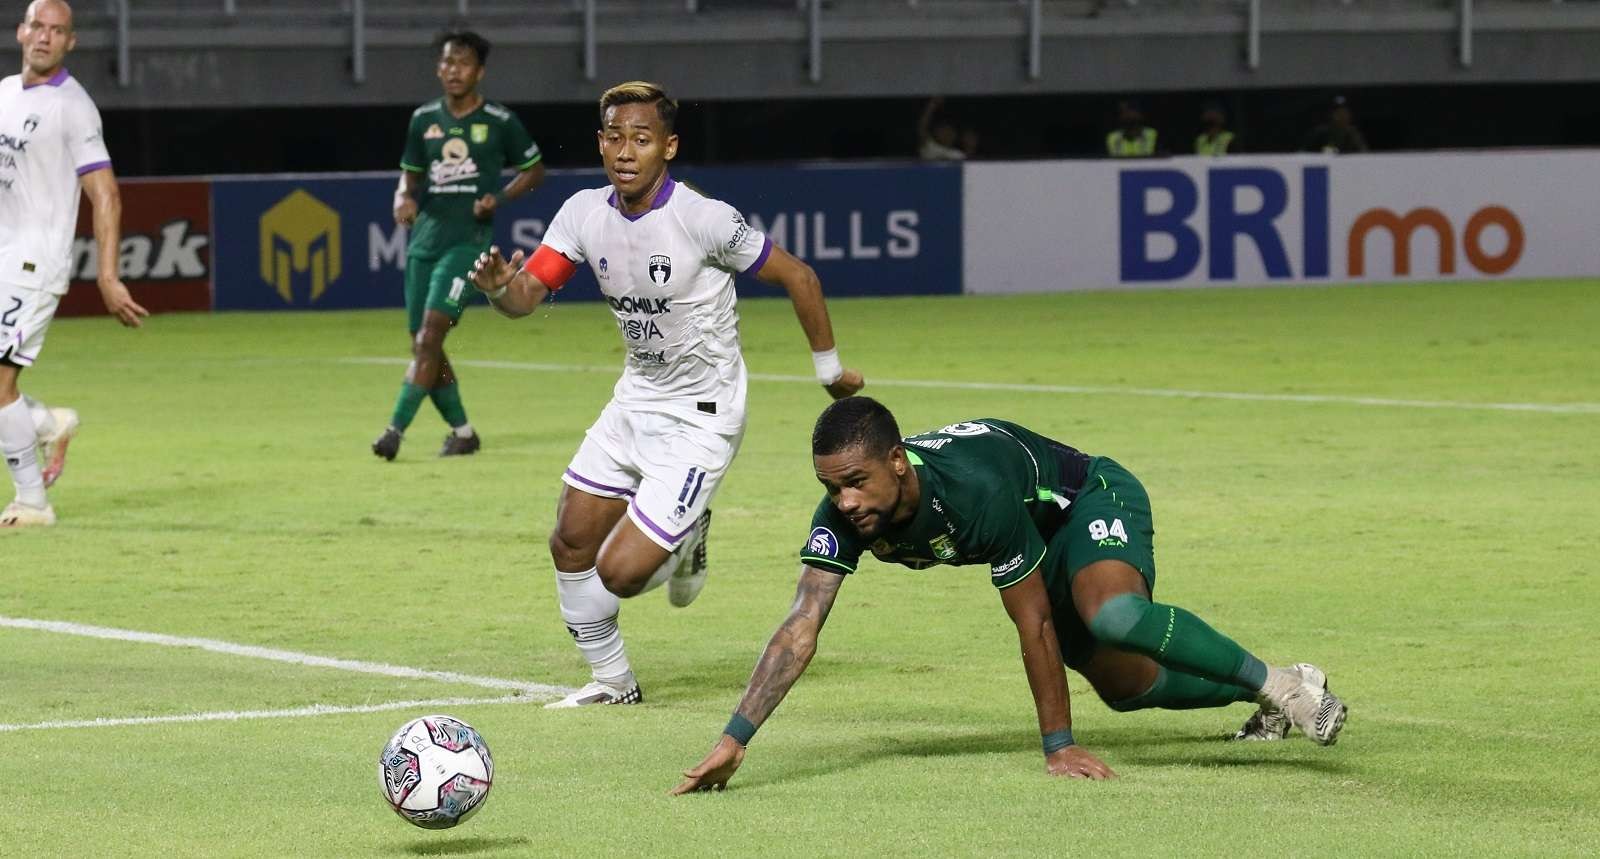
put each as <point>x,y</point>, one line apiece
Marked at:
<point>1174,690</point>
<point>1176,639</point>
<point>447,399</point>
<point>405,408</point>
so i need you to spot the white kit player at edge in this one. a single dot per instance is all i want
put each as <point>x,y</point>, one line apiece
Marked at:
<point>635,505</point>
<point>50,145</point>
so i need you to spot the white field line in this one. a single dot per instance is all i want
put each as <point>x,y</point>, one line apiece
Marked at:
<point>241,715</point>
<point>517,687</point>
<point>1170,393</point>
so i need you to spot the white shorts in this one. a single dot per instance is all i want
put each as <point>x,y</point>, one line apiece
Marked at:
<point>667,466</point>
<point>25,315</point>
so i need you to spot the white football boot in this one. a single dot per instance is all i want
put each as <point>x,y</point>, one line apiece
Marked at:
<point>54,446</point>
<point>595,692</point>
<point>690,576</point>
<point>19,515</point>
<point>1318,713</point>
<point>1272,724</point>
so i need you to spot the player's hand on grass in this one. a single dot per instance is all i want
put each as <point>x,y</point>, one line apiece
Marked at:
<point>847,385</point>
<point>119,303</point>
<point>1075,762</point>
<point>713,772</point>
<point>405,209</point>
<point>483,207</point>
<point>493,271</point>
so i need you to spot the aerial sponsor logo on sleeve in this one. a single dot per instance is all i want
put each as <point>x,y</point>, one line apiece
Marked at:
<point>823,543</point>
<point>741,231</point>
<point>1006,568</point>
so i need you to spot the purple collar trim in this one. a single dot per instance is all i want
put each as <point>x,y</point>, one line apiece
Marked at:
<point>662,196</point>
<point>57,79</point>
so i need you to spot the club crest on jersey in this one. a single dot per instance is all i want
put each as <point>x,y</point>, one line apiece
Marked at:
<point>480,132</point>
<point>823,543</point>
<point>29,124</point>
<point>434,132</point>
<point>942,547</point>
<point>660,269</point>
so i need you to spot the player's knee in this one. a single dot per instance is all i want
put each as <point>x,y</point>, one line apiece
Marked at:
<point>620,577</point>
<point>569,554</point>
<point>1117,618</point>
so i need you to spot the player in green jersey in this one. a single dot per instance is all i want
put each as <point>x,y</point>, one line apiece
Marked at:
<point>456,149</point>
<point>1067,539</point>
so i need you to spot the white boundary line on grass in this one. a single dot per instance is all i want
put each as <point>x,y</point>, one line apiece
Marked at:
<point>1169,393</point>
<point>295,713</point>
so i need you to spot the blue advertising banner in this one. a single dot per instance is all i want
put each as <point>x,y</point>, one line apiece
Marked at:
<point>315,242</point>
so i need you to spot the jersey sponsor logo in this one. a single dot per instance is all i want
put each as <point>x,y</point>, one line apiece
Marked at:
<point>640,330</point>
<point>660,269</point>
<point>646,356</point>
<point>1008,567</point>
<point>943,548</point>
<point>15,144</point>
<point>455,165</point>
<point>605,270</point>
<point>630,304</point>
<point>31,123</point>
<point>434,132</point>
<point>173,254</point>
<point>966,428</point>
<point>823,543</point>
<point>741,231</point>
<point>480,132</point>
<point>929,443</point>
<point>300,234</point>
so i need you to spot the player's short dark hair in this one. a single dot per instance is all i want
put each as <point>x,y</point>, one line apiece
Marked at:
<point>641,92</point>
<point>855,421</point>
<point>466,39</point>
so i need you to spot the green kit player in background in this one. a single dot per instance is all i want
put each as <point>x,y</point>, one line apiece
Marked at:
<point>1067,540</point>
<point>456,149</point>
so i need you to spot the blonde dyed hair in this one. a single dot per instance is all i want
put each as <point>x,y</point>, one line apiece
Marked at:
<point>641,92</point>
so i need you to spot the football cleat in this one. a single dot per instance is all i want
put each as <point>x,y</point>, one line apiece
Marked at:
<point>596,692</point>
<point>54,445</point>
<point>19,515</point>
<point>455,445</point>
<point>1318,713</point>
<point>387,444</point>
<point>690,576</point>
<point>1273,724</point>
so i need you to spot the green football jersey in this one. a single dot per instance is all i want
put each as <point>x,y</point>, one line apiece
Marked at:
<point>992,493</point>
<point>460,159</point>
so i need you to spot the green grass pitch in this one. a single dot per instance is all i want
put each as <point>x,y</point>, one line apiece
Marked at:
<point>1436,556</point>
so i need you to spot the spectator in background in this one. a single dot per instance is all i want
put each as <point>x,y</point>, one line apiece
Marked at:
<point>1214,137</point>
<point>1131,138</point>
<point>937,140</point>
<point>1338,134</point>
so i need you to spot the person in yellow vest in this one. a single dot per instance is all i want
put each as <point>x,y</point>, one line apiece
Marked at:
<point>1131,138</point>
<point>1214,137</point>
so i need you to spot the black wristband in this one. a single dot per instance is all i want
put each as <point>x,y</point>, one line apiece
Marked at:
<point>1055,741</point>
<point>740,729</point>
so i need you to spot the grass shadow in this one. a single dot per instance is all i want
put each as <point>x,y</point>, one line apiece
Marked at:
<point>463,846</point>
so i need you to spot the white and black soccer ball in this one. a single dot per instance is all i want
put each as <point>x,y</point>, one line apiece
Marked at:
<point>435,771</point>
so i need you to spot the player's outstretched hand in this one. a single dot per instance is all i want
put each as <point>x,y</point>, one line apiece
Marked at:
<point>483,207</point>
<point>1075,762</point>
<point>493,271</point>
<point>120,303</point>
<point>713,772</point>
<point>847,385</point>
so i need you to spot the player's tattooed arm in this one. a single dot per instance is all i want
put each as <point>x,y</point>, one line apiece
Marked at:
<point>792,646</point>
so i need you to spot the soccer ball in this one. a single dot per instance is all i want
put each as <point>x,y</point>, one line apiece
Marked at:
<point>435,771</point>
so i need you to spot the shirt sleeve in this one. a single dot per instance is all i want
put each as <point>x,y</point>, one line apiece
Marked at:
<point>833,544</point>
<point>85,140</point>
<point>729,242</point>
<point>562,234</point>
<point>1006,536</point>
<point>415,156</point>
<point>520,150</point>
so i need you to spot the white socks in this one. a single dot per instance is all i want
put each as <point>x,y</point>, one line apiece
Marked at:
<point>463,431</point>
<point>590,612</point>
<point>18,441</point>
<point>44,423</point>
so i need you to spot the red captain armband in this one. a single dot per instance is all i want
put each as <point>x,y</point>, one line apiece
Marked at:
<point>550,267</point>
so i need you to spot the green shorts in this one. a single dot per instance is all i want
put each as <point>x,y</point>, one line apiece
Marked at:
<point>1110,519</point>
<point>440,283</point>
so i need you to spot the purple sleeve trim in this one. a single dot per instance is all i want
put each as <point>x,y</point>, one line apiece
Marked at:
<point>616,490</point>
<point>90,168</point>
<point>766,251</point>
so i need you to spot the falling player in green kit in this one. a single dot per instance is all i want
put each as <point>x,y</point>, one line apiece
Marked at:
<point>456,148</point>
<point>1067,539</point>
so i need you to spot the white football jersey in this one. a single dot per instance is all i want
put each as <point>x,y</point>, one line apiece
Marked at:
<point>668,276</point>
<point>49,136</point>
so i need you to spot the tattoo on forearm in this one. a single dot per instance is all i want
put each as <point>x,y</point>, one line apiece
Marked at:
<point>791,647</point>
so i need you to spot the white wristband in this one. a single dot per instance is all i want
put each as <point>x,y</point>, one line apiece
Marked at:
<point>827,365</point>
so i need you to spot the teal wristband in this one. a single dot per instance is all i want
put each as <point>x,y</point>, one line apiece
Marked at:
<point>741,730</point>
<point>1055,741</point>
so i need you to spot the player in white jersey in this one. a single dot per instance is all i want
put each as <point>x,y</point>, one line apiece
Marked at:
<point>50,146</point>
<point>635,506</point>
